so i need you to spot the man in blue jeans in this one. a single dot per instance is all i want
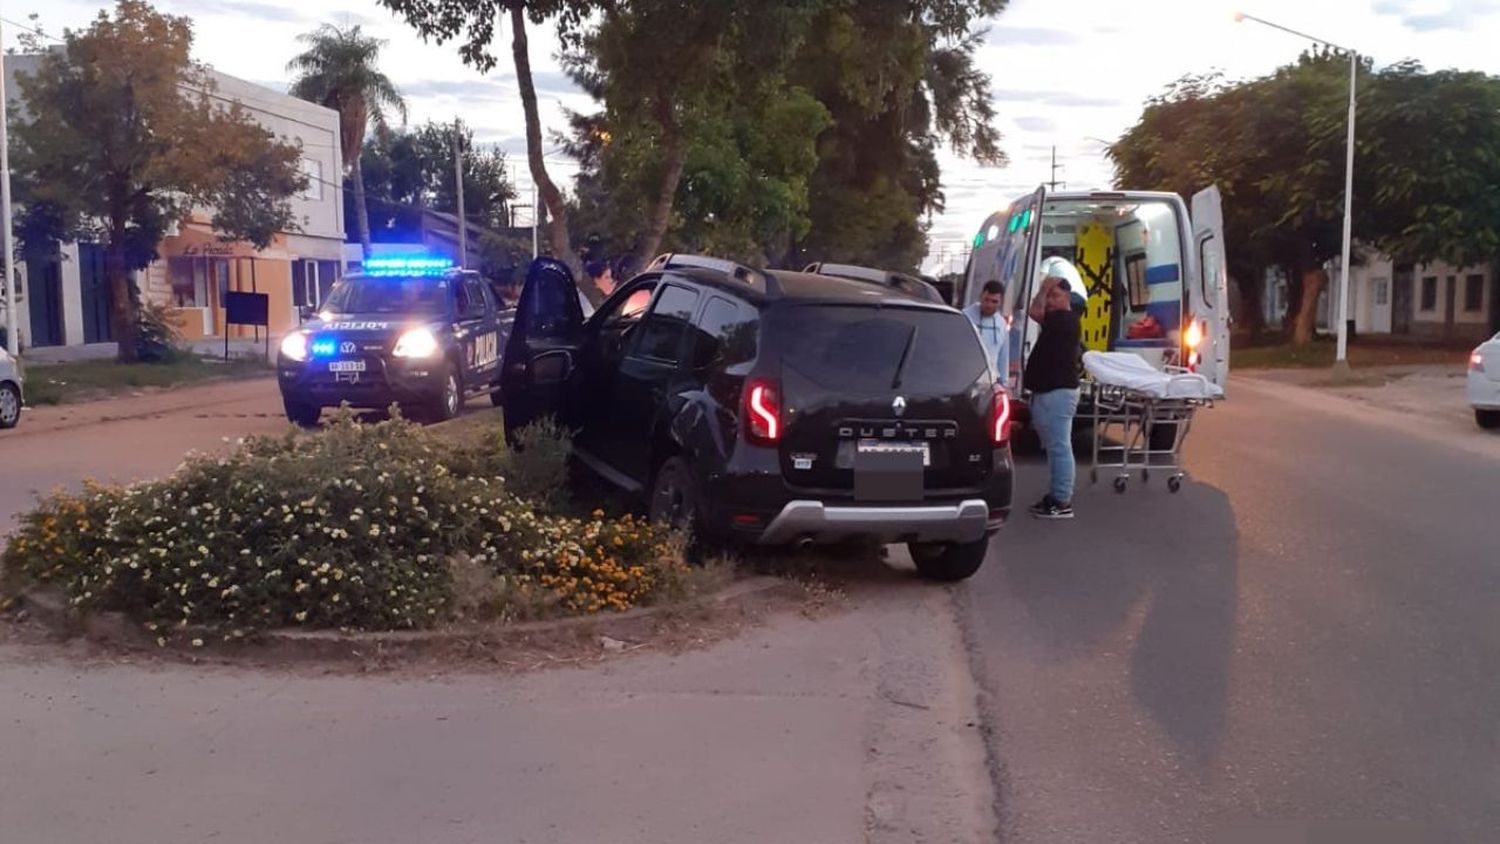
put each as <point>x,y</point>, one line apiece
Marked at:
<point>1052,378</point>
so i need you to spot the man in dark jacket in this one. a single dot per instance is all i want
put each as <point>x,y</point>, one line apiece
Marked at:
<point>1052,379</point>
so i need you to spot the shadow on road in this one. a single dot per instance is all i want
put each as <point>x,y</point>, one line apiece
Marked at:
<point>1166,563</point>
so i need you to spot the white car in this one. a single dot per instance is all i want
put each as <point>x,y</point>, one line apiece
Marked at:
<point>10,390</point>
<point>1484,383</point>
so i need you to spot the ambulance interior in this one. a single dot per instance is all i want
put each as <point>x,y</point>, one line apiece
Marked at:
<point>1129,253</point>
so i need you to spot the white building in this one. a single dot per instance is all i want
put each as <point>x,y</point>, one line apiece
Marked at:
<point>65,299</point>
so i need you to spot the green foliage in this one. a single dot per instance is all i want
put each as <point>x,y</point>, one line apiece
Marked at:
<point>537,469</point>
<point>405,171</point>
<point>360,526</point>
<point>158,339</point>
<point>123,137</point>
<point>1427,157</point>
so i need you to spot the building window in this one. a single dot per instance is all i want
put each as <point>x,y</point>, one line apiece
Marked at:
<point>313,170</point>
<point>1429,293</point>
<point>1474,294</point>
<point>189,278</point>
<point>1382,291</point>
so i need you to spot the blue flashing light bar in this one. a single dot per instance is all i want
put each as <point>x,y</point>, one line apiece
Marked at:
<point>407,265</point>
<point>324,348</point>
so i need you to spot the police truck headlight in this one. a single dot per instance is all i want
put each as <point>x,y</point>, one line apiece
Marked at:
<point>294,346</point>
<point>416,343</point>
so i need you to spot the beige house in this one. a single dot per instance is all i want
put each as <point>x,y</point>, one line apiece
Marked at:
<point>65,301</point>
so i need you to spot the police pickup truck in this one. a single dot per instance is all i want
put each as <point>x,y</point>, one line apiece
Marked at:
<point>416,332</point>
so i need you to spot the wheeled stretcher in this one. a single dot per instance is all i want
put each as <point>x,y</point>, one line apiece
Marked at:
<point>1142,416</point>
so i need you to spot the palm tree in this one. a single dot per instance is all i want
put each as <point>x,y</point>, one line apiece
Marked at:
<point>339,70</point>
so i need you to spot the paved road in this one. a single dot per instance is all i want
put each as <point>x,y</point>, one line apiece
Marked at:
<point>1304,642</point>
<point>129,438</point>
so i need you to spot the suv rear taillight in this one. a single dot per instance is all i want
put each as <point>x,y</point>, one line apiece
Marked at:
<point>762,412</point>
<point>1000,417</point>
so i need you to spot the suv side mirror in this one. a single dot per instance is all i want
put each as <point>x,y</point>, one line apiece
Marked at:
<point>305,312</point>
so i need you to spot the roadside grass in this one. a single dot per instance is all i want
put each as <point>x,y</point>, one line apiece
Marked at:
<point>62,383</point>
<point>1362,355</point>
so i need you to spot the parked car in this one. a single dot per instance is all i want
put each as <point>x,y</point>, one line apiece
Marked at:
<point>773,407</point>
<point>415,332</point>
<point>1484,383</point>
<point>12,395</point>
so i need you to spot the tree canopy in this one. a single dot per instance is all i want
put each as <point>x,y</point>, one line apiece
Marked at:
<point>1427,158</point>
<point>122,136</point>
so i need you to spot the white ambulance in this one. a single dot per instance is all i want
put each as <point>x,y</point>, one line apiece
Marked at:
<point>1155,274</point>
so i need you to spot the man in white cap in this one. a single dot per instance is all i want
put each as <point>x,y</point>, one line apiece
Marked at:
<point>1052,378</point>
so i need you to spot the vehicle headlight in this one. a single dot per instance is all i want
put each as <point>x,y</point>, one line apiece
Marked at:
<point>294,346</point>
<point>416,343</point>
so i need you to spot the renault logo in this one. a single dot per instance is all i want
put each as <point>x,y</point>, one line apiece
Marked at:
<point>347,347</point>
<point>898,405</point>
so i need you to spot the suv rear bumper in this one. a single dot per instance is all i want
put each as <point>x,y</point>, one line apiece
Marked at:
<point>965,521</point>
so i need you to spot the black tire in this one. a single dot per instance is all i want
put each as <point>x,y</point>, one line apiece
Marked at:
<point>448,402</point>
<point>497,398</point>
<point>947,562</point>
<point>1163,436</point>
<point>1487,419</point>
<point>301,414</point>
<point>675,501</point>
<point>10,405</point>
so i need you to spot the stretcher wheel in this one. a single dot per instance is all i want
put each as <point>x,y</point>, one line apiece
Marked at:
<point>1174,483</point>
<point>1120,483</point>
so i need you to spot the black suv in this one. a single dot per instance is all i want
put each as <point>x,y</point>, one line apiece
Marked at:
<point>773,407</point>
<point>422,337</point>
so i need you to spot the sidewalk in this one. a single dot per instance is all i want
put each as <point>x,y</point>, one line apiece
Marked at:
<point>851,728</point>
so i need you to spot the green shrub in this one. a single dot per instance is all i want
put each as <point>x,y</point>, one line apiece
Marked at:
<point>157,339</point>
<point>538,467</point>
<point>361,526</point>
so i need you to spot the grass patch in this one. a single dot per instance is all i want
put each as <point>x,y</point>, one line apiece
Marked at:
<point>1320,354</point>
<point>63,383</point>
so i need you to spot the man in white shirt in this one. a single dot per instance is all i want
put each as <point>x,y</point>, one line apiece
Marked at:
<point>993,330</point>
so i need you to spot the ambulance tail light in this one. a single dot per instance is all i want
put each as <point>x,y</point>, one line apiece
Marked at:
<point>1193,338</point>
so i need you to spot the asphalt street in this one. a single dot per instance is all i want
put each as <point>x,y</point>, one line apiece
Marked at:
<point>1300,646</point>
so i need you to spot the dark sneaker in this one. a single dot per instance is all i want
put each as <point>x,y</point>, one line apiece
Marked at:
<point>1053,510</point>
<point>1042,506</point>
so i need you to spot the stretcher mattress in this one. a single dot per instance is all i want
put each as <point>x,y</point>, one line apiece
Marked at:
<point>1131,372</point>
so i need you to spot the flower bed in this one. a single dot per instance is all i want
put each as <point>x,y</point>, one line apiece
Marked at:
<point>365,527</point>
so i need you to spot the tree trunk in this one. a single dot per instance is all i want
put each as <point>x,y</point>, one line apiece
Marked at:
<point>557,210</point>
<point>122,316</point>
<point>673,160</point>
<point>361,211</point>
<point>1313,282</point>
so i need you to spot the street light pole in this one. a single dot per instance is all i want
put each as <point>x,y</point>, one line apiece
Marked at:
<point>12,342</point>
<point>1341,361</point>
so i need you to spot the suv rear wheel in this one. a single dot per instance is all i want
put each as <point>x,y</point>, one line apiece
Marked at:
<point>675,501</point>
<point>1487,418</point>
<point>948,561</point>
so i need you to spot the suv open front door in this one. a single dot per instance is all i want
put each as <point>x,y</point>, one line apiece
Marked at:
<point>1208,298</point>
<point>539,355</point>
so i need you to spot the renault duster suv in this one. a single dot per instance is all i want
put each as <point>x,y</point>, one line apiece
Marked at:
<point>773,407</point>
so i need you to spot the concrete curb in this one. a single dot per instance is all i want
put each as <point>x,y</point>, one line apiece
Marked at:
<point>52,610</point>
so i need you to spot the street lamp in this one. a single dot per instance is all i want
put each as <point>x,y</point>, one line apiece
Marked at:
<point>1341,361</point>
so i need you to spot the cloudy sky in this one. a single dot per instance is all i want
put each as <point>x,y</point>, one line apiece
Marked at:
<point>1066,74</point>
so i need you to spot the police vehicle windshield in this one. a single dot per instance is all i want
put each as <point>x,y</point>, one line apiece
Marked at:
<point>389,295</point>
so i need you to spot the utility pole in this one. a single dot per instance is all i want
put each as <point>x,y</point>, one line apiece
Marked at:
<point>12,342</point>
<point>535,215</point>
<point>1052,185</point>
<point>458,184</point>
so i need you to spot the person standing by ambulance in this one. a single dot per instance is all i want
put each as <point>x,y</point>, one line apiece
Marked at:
<point>1052,379</point>
<point>992,327</point>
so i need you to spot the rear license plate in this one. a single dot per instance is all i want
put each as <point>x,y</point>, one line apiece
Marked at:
<point>887,447</point>
<point>346,366</point>
<point>888,472</point>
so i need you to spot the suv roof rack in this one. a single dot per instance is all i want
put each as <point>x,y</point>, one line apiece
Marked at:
<point>733,269</point>
<point>908,284</point>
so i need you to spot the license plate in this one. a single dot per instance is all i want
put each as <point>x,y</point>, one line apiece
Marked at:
<point>888,447</point>
<point>346,366</point>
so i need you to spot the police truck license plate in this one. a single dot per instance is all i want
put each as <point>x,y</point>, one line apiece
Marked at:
<point>887,447</point>
<point>346,366</point>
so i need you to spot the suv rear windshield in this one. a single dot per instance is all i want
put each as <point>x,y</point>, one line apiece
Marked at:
<point>423,296</point>
<point>852,350</point>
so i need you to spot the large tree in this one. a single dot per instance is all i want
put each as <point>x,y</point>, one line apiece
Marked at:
<point>122,136</point>
<point>474,21</point>
<point>407,171</point>
<point>340,69</point>
<point>1427,155</point>
<point>898,77</point>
